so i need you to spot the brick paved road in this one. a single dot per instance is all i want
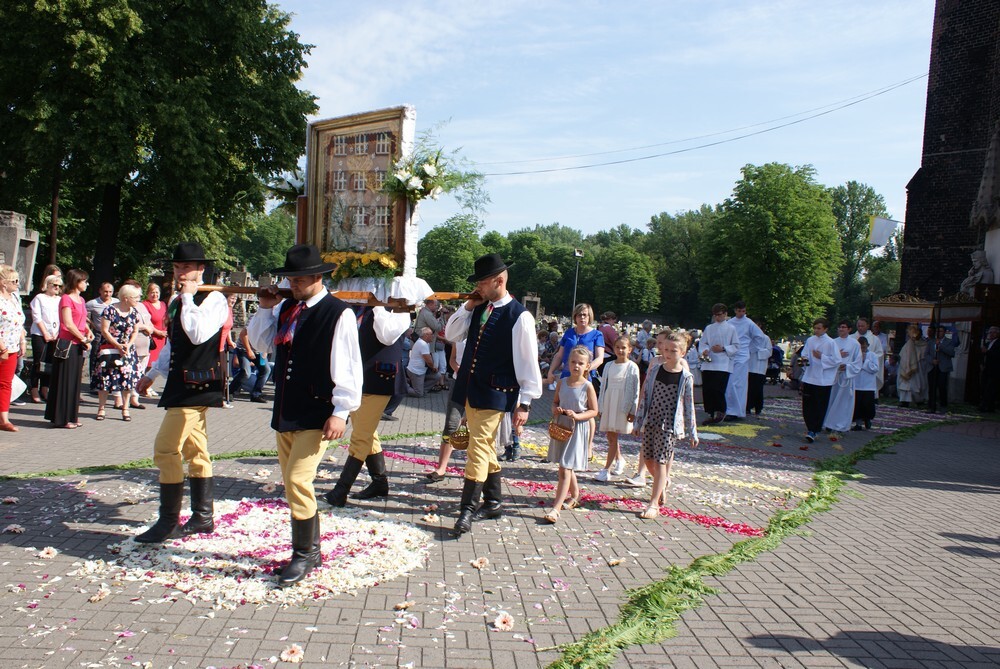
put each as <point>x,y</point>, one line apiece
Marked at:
<point>904,576</point>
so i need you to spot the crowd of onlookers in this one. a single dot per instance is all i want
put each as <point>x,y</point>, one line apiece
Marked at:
<point>119,333</point>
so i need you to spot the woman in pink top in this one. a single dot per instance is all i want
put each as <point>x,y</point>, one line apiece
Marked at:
<point>158,316</point>
<point>63,404</point>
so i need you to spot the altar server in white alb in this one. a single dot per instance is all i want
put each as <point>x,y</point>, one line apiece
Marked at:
<point>820,360</point>
<point>840,413</point>
<point>875,347</point>
<point>756,372</point>
<point>864,388</point>
<point>719,344</point>
<point>751,339</point>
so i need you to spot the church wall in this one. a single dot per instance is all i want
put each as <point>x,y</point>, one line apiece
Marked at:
<point>963,106</point>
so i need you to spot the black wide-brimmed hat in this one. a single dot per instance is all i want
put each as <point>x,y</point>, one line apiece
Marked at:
<point>303,260</point>
<point>487,266</point>
<point>190,252</point>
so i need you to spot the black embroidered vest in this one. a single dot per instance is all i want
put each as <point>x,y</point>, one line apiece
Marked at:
<point>486,377</point>
<point>194,378</point>
<point>381,362</point>
<point>303,387</point>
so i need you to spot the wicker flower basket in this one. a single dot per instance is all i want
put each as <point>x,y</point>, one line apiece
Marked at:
<point>459,439</point>
<point>560,432</point>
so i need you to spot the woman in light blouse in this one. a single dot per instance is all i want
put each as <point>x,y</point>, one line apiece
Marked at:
<point>63,404</point>
<point>44,330</point>
<point>12,341</point>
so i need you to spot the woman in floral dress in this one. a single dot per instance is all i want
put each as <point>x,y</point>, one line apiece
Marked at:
<point>117,363</point>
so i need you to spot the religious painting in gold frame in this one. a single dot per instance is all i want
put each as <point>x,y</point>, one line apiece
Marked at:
<point>348,159</point>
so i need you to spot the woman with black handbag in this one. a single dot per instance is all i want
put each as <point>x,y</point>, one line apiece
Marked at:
<point>62,407</point>
<point>117,361</point>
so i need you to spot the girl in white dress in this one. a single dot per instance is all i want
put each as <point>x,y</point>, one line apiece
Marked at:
<point>618,402</point>
<point>575,405</point>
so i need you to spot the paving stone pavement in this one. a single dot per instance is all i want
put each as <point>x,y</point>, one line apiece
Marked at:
<point>904,576</point>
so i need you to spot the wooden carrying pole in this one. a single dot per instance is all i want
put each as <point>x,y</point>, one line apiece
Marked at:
<point>351,297</point>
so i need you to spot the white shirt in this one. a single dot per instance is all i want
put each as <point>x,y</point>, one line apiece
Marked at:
<point>199,322</point>
<point>867,379</point>
<point>346,369</point>
<point>821,372</point>
<point>723,334</point>
<point>45,309</point>
<point>417,364</point>
<point>760,353</point>
<point>748,333</point>
<point>389,325</point>
<point>526,369</point>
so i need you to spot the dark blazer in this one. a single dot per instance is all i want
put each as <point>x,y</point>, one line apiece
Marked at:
<point>944,353</point>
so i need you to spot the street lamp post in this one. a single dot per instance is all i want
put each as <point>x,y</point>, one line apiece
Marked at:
<point>579,254</point>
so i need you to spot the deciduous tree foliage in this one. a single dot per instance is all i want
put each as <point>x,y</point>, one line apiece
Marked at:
<point>155,121</point>
<point>673,243</point>
<point>446,254</point>
<point>624,281</point>
<point>777,246</point>
<point>853,206</point>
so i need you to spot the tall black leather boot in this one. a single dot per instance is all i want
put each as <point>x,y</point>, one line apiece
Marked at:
<point>202,518</point>
<point>379,487</point>
<point>306,555</point>
<point>338,496</point>
<point>492,507</point>
<point>470,499</point>
<point>167,526</point>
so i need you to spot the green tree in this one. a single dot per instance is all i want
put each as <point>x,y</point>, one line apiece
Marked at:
<point>494,242</point>
<point>155,122</point>
<point>263,245</point>
<point>853,206</point>
<point>556,233</point>
<point>621,234</point>
<point>778,247</point>
<point>624,281</point>
<point>882,270</point>
<point>447,253</point>
<point>672,243</point>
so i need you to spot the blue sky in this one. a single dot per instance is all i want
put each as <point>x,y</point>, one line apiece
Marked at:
<point>535,80</point>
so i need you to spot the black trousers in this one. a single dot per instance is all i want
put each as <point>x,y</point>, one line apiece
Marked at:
<point>937,389</point>
<point>989,384</point>
<point>755,393</point>
<point>815,400</point>
<point>864,405</point>
<point>713,390</point>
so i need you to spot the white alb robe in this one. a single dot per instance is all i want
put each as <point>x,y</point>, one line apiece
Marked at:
<point>875,347</point>
<point>840,411</point>
<point>750,337</point>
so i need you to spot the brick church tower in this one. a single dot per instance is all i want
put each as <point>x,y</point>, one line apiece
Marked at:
<point>963,111</point>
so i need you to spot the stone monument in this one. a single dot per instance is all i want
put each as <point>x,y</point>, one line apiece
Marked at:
<point>18,247</point>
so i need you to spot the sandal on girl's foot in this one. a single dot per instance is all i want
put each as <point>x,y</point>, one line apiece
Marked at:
<point>551,517</point>
<point>650,513</point>
<point>571,504</point>
<point>100,415</point>
<point>125,416</point>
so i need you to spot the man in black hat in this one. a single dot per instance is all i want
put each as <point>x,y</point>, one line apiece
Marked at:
<point>318,376</point>
<point>380,333</point>
<point>499,373</point>
<point>190,361</point>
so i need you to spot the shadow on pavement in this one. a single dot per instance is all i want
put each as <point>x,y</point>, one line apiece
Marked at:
<point>867,649</point>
